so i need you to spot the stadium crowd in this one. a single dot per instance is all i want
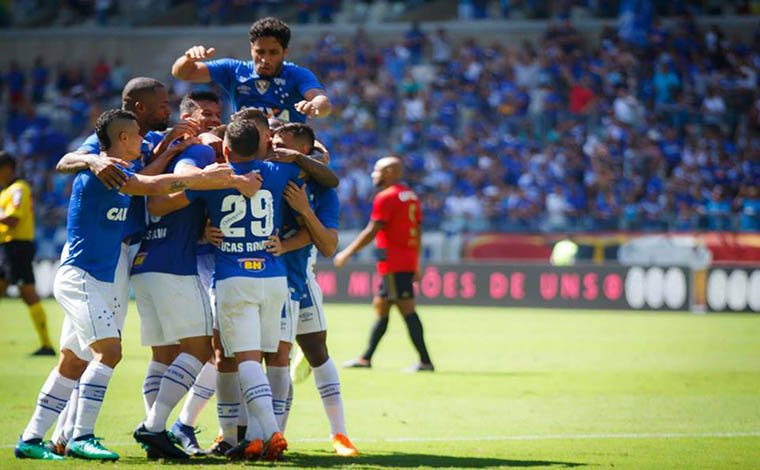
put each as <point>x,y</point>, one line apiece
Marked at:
<point>661,133</point>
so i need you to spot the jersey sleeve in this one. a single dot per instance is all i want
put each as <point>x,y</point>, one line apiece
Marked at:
<point>328,209</point>
<point>91,145</point>
<point>306,80</point>
<point>19,193</point>
<point>222,72</point>
<point>381,208</point>
<point>198,156</point>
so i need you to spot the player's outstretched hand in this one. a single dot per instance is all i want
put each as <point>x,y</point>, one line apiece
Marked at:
<point>107,170</point>
<point>284,155</point>
<point>212,234</point>
<point>307,108</point>
<point>184,129</point>
<point>296,197</point>
<point>197,53</point>
<point>249,183</point>
<point>274,244</point>
<point>218,173</point>
<point>340,259</point>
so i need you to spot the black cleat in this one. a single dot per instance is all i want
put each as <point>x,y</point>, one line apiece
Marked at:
<point>241,432</point>
<point>158,442</point>
<point>44,351</point>
<point>219,447</point>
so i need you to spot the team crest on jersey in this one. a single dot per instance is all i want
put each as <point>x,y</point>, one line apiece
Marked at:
<point>244,90</point>
<point>279,81</point>
<point>252,264</point>
<point>262,86</point>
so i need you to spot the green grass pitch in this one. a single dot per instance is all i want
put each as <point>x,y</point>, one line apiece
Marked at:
<point>514,389</point>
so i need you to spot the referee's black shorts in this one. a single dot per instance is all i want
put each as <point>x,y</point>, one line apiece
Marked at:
<point>16,262</point>
<point>397,286</point>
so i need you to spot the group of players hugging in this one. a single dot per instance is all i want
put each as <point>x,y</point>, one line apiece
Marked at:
<point>217,226</point>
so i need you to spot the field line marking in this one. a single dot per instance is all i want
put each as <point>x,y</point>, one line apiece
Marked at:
<point>536,437</point>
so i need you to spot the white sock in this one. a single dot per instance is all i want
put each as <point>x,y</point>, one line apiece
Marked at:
<point>201,392</point>
<point>228,404</point>
<point>258,396</point>
<point>152,383</point>
<point>71,417</point>
<point>253,429</point>
<point>279,381</point>
<point>60,425</point>
<point>51,400</point>
<point>92,389</point>
<point>328,385</point>
<point>179,377</point>
<point>288,404</point>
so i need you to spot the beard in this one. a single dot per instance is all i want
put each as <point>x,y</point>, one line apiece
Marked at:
<point>159,126</point>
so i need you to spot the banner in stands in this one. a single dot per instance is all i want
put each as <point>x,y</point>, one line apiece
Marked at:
<point>733,289</point>
<point>499,285</point>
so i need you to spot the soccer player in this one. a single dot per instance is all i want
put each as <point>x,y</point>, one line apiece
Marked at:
<point>318,213</point>
<point>395,226</point>
<point>172,302</point>
<point>84,287</point>
<point>281,89</point>
<point>17,246</point>
<point>148,99</point>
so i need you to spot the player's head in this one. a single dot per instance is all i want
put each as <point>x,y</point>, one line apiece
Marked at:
<point>203,107</point>
<point>241,140</point>
<point>269,45</point>
<point>294,136</point>
<point>219,131</point>
<point>7,168</point>
<point>387,171</point>
<point>119,133</point>
<point>149,100</point>
<point>262,124</point>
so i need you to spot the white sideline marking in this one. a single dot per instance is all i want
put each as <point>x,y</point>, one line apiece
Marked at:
<point>537,437</point>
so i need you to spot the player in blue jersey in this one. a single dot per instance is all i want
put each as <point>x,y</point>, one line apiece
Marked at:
<point>149,100</point>
<point>267,82</point>
<point>84,287</point>
<point>317,216</point>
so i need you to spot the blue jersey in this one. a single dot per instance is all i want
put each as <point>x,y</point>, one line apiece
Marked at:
<point>95,226</point>
<point>169,242</point>
<point>324,202</point>
<point>275,96</point>
<point>247,223</point>
<point>136,218</point>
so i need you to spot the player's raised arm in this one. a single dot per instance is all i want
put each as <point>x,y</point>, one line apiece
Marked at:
<point>211,177</point>
<point>316,103</point>
<point>325,239</point>
<point>189,67</point>
<point>108,170</point>
<point>312,168</point>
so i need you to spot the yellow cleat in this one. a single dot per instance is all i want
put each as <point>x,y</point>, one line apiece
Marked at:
<point>343,446</point>
<point>301,370</point>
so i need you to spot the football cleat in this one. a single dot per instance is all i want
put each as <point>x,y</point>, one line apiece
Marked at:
<point>34,449</point>
<point>58,448</point>
<point>245,449</point>
<point>158,441</point>
<point>274,448</point>
<point>419,367</point>
<point>90,449</point>
<point>358,363</point>
<point>184,435</point>
<point>343,446</point>
<point>44,351</point>
<point>219,447</point>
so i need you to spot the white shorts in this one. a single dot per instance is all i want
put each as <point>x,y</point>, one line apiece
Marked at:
<point>311,314</point>
<point>206,267</point>
<point>288,320</point>
<point>171,308</point>
<point>249,311</point>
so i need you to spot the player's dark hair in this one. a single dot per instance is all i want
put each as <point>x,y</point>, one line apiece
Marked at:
<point>303,134</point>
<point>138,89</point>
<point>7,160</point>
<point>219,131</point>
<point>242,137</point>
<point>106,119</point>
<point>190,102</point>
<point>276,123</point>
<point>252,114</point>
<point>270,27</point>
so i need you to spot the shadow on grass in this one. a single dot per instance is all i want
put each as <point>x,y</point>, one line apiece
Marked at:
<point>414,460</point>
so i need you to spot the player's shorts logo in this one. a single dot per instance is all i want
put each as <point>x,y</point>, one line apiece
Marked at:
<point>252,264</point>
